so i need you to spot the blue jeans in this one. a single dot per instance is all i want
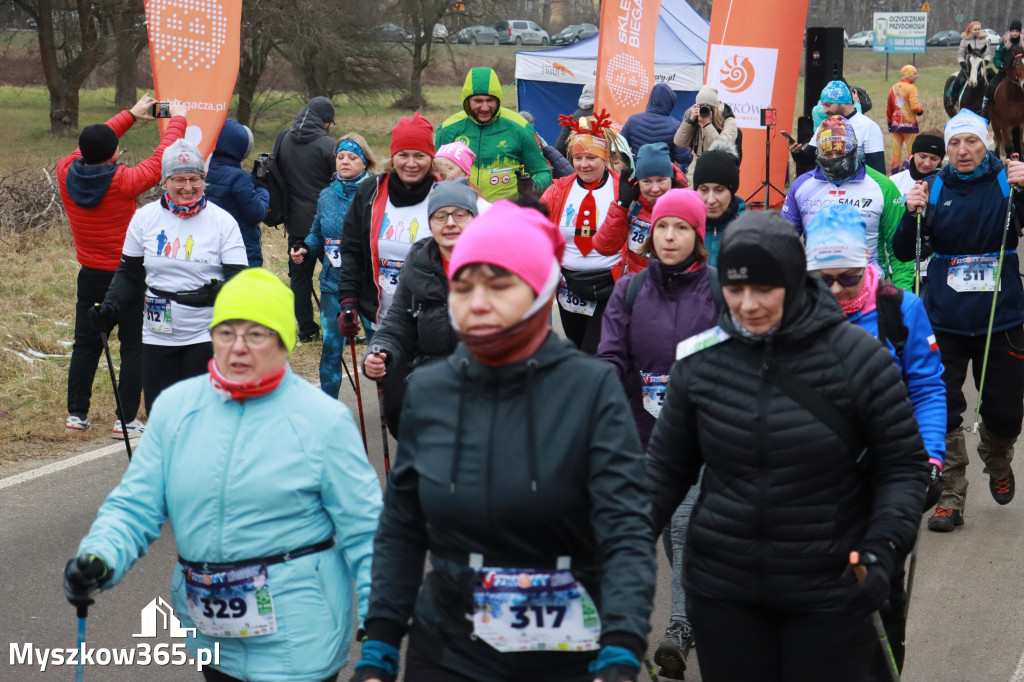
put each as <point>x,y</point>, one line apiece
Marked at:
<point>334,344</point>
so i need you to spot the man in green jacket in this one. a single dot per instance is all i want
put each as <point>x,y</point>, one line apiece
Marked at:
<point>501,139</point>
<point>1011,43</point>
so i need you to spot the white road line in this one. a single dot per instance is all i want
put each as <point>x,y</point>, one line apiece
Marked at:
<point>62,464</point>
<point>1018,674</point>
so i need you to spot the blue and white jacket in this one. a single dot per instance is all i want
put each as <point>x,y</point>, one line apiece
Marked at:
<point>325,233</point>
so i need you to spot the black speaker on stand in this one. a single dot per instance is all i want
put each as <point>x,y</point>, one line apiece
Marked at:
<point>823,62</point>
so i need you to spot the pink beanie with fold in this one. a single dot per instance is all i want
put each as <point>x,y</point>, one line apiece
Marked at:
<point>459,154</point>
<point>681,203</point>
<point>521,240</point>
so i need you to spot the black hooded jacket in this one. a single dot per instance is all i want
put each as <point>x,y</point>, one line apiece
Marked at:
<point>307,159</point>
<point>783,501</point>
<point>522,463</point>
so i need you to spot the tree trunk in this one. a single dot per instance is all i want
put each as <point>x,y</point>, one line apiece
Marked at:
<point>127,78</point>
<point>63,108</point>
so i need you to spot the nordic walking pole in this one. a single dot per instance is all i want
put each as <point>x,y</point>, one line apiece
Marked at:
<point>383,420</point>
<point>83,612</point>
<point>120,412</point>
<point>910,576</point>
<point>917,256</point>
<point>861,573</point>
<point>650,668</point>
<point>355,387</point>
<point>992,312</point>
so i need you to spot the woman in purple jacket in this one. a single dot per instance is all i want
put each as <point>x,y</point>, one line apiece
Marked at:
<point>648,314</point>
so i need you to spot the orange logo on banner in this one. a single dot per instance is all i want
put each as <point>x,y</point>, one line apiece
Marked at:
<point>563,69</point>
<point>190,38</point>
<point>625,57</point>
<point>737,77</point>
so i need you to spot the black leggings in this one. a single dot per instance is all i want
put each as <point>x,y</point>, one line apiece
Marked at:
<point>164,366</point>
<point>214,675</point>
<point>584,331</point>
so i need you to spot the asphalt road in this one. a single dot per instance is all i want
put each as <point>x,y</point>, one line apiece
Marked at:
<point>965,616</point>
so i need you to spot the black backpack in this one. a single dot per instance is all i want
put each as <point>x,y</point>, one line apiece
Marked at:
<point>891,327</point>
<point>277,212</point>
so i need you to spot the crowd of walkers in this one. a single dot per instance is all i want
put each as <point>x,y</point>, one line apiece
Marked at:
<point>774,398</point>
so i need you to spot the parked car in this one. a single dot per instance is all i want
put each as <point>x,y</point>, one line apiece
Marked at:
<point>440,33</point>
<point>574,34</point>
<point>393,33</point>
<point>521,32</point>
<point>993,37</point>
<point>862,39</point>
<point>478,35</point>
<point>945,39</point>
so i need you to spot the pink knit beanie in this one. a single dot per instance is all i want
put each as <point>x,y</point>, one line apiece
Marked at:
<point>459,154</point>
<point>681,203</point>
<point>521,240</point>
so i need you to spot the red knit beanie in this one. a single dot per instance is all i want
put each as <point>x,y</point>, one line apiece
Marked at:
<point>414,133</point>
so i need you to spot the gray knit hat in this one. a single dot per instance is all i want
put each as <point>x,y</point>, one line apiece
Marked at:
<point>322,107</point>
<point>455,193</point>
<point>179,158</point>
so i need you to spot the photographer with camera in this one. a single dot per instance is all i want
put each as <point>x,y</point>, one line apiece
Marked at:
<point>99,195</point>
<point>709,120</point>
<point>243,195</point>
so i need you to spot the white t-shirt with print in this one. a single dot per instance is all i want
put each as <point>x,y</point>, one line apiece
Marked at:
<point>182,254</point>
<point>574,258</point>
<point>401,227</point>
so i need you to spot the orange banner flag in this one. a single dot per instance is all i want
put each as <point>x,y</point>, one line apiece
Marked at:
<point>754,53</point>
<point>194,48</point>
<point>625,57</point>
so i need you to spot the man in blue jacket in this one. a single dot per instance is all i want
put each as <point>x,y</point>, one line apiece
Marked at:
<point>657,125</point>
<point>239,193</point>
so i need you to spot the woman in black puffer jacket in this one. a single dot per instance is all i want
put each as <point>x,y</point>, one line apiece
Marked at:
<point>416,328</point>
<point>785,500</point>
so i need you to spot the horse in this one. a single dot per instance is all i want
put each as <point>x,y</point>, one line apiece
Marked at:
<point>1007,107</point>
<point>973,93</point>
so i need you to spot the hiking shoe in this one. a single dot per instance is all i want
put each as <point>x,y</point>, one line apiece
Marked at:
<point>309,338</point>
<point>673,650</point>
<point>1002,489</point>
<point>136,428</point>
<point>77,424</point>
<point>943,520</point>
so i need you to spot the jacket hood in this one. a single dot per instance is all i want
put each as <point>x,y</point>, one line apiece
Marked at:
<point>308,126</point>
<point>234,143</point>
<point>994,166</point>
<point>87,185</point>
<point>809,307</point>
<point>481,81</point>
<point>662,99</point>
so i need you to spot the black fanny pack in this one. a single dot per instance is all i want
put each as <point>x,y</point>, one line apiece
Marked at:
<point>217,567</point>
<point>590,285</point>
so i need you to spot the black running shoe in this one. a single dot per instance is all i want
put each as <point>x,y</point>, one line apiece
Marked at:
<point>673,650</point>
<point>1002,489</point>
<point>943,520</point>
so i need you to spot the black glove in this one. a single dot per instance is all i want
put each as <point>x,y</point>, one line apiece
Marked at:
<point>965,68</point>
<point>629,190</point>
<point>934,488</point>
<point>348,318</point>
<point>871,594</point>
<point>103,317</point>
<point>525,184</point>
<point>83,577</point>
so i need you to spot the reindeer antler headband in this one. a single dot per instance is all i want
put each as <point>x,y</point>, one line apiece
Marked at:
<point>590,135</point>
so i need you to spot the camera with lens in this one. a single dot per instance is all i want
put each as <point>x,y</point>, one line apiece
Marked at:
<point>705,110</point>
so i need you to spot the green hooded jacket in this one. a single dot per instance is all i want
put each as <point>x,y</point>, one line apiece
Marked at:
<point>501,145</point>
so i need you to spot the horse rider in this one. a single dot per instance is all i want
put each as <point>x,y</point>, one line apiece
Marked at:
<point>1010,46</point>
<point>974,42</point>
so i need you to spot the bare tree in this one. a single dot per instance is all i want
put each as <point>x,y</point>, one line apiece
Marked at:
<point>129,38</point>
<point>72,42</point>
<point>421,16</point>
<point>261,33</point>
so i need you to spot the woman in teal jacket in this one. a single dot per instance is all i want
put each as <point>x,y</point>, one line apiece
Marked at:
<point>269,494</point>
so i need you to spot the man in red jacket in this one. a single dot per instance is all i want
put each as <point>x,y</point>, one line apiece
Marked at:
<point>100,196</point>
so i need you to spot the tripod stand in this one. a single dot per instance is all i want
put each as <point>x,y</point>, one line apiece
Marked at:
<point>767,185</point>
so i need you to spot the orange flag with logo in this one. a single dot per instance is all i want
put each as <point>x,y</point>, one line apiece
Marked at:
<point>754,60</point>
<point>625,57</point>
<point>193,47</point>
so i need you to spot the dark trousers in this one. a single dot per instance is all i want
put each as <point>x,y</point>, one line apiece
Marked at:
<point>87,348</point>
<point>1002,404</point>
<point>394,395</point>
<point>165,366</point>
<point>302,286</point>
<point>583,330</point>
<point>214,675</point>
<point>739,642</point>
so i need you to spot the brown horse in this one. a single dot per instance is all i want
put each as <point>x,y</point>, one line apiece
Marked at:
<point>1008,107</point>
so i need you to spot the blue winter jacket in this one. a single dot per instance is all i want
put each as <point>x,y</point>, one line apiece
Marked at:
<point>233,189</point>
<point>249,479</point>
<point>921,368</point>
<point>657,125</point>
<point>967,219</point>
<point>331,207</point>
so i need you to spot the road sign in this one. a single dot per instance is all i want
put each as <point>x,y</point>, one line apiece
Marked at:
<point>925,7</point>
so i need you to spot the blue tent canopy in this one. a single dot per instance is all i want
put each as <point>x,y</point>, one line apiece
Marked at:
<point>549,82</point>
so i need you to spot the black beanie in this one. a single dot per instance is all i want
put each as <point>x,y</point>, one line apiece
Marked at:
<point>1015,25</point>
<point>97,143</point>
<point>929,144</point>
<point>322,107</point>
<point>719,167</point>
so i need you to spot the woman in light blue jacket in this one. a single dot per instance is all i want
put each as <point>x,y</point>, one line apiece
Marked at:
<point>270,496</point>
